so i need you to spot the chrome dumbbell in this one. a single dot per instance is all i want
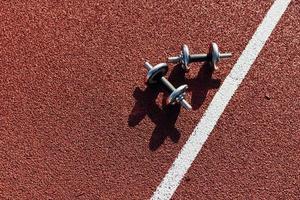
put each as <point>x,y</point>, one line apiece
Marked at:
<point>156,74</point>
<point>212,57</point>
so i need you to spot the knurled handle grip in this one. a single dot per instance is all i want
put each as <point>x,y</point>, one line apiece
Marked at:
<point>198,57</point>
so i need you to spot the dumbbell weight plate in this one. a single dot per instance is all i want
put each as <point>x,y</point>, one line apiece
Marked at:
<point>178,92</point>
<point>158,71</point>
<point>214,55</point>
<point>185,53</point>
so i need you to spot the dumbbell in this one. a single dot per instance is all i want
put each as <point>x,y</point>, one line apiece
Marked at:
<point>212,57</point>
<point>156,74</point>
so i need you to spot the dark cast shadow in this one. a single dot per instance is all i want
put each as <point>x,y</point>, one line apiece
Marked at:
<point>201,84</point>
<point>164,118</point>
<point>145,105</point>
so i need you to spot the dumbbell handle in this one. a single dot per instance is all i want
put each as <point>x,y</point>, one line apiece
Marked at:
<point>197,57</point>
<point>167,83</point>
<point>193,58</point>
<point>175,59</point>
<point>204,57</point>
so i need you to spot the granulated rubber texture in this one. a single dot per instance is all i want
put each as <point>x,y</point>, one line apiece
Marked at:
<point>78,122</point>
<point>253,153</point>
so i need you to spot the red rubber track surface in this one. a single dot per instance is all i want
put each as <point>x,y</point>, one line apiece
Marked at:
<point>77,121</point>
<point>254,151</point>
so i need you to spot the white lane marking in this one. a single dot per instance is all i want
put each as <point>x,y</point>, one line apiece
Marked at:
<point>200,134</point>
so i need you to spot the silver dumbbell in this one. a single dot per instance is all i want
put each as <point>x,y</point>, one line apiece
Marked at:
<point>157,73</point>
<point>212,57</point>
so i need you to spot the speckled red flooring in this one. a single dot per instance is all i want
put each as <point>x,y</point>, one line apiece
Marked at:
<point>77,121</point>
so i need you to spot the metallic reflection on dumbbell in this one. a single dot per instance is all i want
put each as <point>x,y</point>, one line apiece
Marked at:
<point>157,73</point>
<point>212,57</point>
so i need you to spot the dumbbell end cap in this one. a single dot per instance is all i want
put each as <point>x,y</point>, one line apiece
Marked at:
<point>185,104</point>
<point>225,55</point>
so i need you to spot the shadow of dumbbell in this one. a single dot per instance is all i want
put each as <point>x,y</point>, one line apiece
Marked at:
<point>165,117</point>
<point>145,104</point>
<point>201,84</point>
<point>166,127</point>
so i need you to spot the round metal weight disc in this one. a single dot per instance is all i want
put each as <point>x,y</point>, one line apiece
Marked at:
<point>156,73</point>
<point>177,93</point>
<point>185,56</point>
<point>215,54</point>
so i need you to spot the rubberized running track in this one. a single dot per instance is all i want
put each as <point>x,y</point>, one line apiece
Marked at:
<point>77,121</point>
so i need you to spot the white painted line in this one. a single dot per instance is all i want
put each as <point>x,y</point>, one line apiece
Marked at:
<point>193,146</point>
